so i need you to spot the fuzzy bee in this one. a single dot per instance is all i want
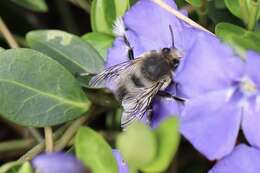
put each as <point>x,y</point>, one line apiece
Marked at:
<point>138,80</point>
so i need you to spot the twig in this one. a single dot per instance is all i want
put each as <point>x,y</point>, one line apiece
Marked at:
<point>180,16</point>
<point>4,168</point>
<point>71,131</point>
<point>40,147</point>
<point>35,133</point>
<point>48,139</point>
<point>16,145</point>
<point>7,34</point>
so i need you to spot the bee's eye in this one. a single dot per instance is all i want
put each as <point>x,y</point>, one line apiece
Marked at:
<point>175,63</point>
<point>166,50</point>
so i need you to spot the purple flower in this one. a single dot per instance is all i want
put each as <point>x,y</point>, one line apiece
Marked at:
<point>121,164</point>
<point>225,95</point>
<point>57,163</point>
<point>148,29</point>
<point>243,159</point>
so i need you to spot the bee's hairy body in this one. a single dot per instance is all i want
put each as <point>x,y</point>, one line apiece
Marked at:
<point>152,69</point>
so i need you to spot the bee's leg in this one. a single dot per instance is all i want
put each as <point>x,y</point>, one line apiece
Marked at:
<point>149,114</point>
<point>168,95</point>
<point>130,49</point>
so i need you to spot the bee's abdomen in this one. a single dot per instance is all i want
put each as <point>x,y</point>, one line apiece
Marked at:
<point>154,68</point>
<point>121,93</point>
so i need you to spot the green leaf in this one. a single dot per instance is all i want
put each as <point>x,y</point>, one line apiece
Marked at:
<point>71,51</point>
<point>220,4</point>
<point>94,152</point>
<point>36,90</point>
<point>25,168</point>
<point>121,6</point>
<point>240,38</point>
<point>168,139</point>
<point>35,5</point>
<point>234,8</point>
<point>101,42</point>
<point>137,145</point>
<point>104,14</point>
<point>195,3</point>
<point>1,49</point>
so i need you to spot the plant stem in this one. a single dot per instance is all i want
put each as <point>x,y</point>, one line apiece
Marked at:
<point>4,168</point>
<point>40,147</point>
<point>180,16</point>
<point>244,11</point>
<point>16,145</point>
<point>7,34</point>
<point>71,131</point>
<point>48,139</point>
<point>35,133</point>
<point>203,13</point>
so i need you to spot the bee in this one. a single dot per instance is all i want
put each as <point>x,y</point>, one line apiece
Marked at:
<point>140,79</point>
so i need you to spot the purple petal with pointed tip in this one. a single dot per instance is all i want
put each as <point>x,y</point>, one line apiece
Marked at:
<point>243,159</point>
<point>252,67</point>
<point>211,123</point>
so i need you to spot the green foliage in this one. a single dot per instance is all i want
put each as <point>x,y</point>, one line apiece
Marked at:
<point>137,145</point>
<point>239,37</point>
<point>104,14</point>
<point>35,90</point>
<point>70,50</point>
<point>101,42</point>
<point>168,139</point>
<point>94,152</point>
<point>1,49</point>
<point>196,3</point>
<point>35,5</point>
<point>26,168</point>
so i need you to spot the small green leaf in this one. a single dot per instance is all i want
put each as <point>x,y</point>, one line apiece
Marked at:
<point>1,49</point>
<point>240,38</point>
<point>36,90</point>
<point>71,51</point>
<point>94,152</point>
<point>102,16</point>
<point>121,6</point>
<point>105,12</point>
<point>137,145</point>
<point>35,5</point>
<point>101,42</point>
<point>195,3</point>
<point>26,168</point>
<point>168,141</point>
<point>234,8</point>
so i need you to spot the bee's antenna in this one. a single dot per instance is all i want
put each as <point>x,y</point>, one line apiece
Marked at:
<point>172,36</point>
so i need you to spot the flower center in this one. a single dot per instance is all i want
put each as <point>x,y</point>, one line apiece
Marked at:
<point>247,86</point>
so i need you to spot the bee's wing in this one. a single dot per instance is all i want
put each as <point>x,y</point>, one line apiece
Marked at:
<point>112,74</point>
<point>136,103</point>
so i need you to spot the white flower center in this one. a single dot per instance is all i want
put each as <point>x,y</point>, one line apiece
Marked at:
<point>247,86</point>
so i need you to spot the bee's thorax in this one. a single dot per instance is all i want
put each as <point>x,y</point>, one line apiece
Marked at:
<point>155,67</point>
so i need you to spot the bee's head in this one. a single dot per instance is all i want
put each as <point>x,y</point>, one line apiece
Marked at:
<point>172,55</point>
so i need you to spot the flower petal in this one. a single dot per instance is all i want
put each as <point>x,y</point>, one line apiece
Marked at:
<point>253,66</point>
<point>57,163</point>
<point>163,108</point>
<point>208,66</point>
<point>243,159</point>
<point>211,123</point>
<point>250,123</point>
<point>122,165</point>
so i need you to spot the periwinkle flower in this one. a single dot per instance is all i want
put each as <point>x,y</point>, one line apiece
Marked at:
<point>243,159</point>
<point>147,27</point>
<point>225,93</point>
<point>121,164</point>
<point>57,163</point>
